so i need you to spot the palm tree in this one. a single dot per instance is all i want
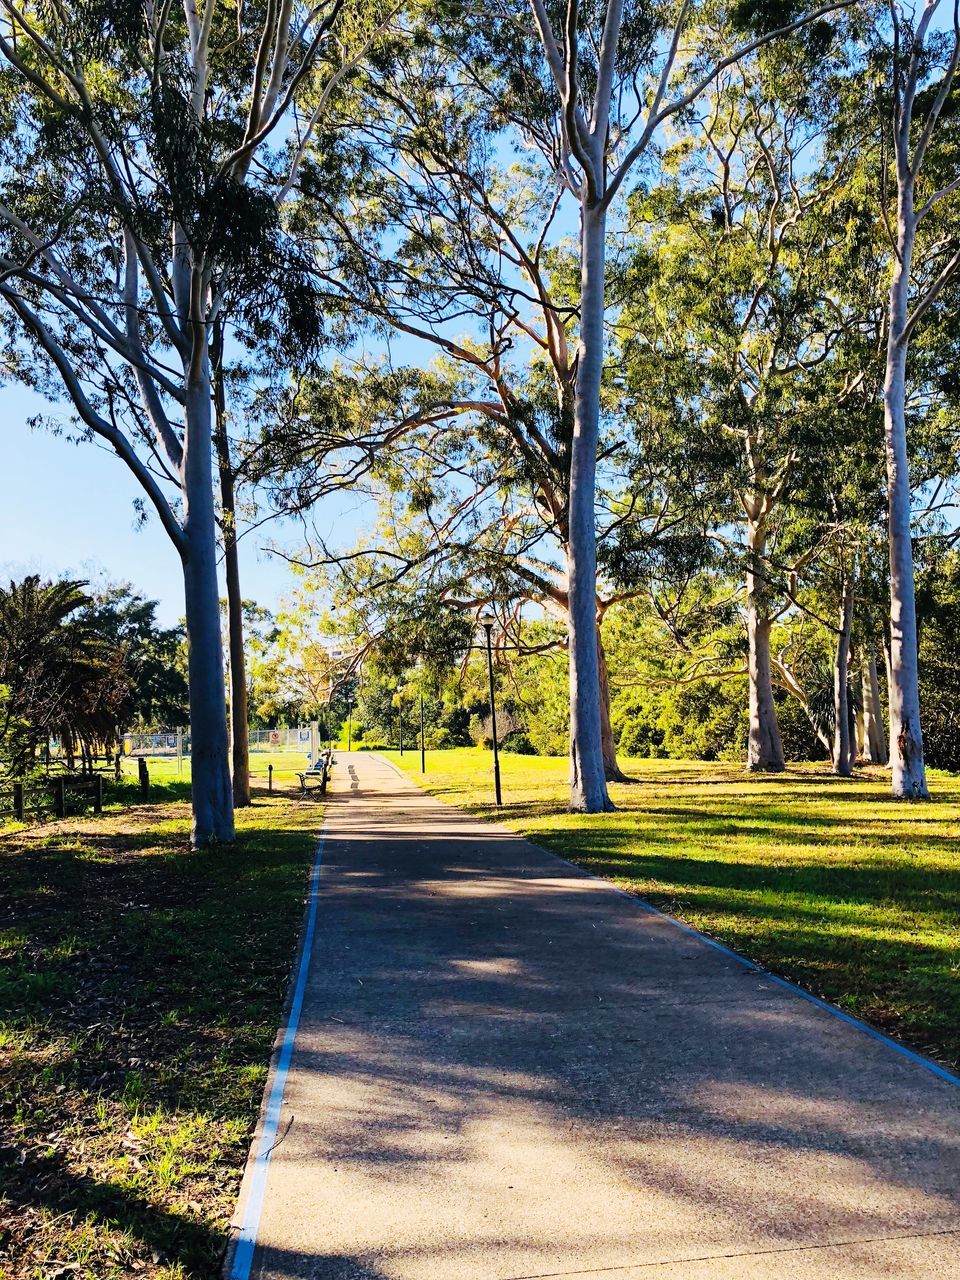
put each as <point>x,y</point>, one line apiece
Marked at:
<point>58,677</point>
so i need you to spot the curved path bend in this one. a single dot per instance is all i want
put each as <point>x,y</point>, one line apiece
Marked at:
<point>505,1069</point>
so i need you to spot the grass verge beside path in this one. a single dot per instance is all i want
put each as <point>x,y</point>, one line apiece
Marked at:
<point>141,985</point>
<point>826,881</point>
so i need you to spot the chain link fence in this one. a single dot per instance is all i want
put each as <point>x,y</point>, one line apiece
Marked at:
<point>176,742</point>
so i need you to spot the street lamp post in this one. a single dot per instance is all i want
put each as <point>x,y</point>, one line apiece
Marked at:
<point>349,724</point>
<point>400,717</point>
<point>487,621</point>
<point>423,749</point>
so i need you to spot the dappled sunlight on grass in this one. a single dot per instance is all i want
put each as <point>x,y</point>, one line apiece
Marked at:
<point>828,881</point>
<point>141,986</point>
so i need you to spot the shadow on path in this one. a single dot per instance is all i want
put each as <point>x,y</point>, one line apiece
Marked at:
<point>505,1069</point>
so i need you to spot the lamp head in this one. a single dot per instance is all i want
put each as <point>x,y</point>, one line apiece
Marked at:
<point>487,620</point>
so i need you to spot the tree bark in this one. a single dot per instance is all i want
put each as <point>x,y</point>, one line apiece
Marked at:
<point>764,745</point>
<point>874,748</point>
<point>860,721</point>
<point>886,667</point>
<point>210,772</point>
<point>588,787</point>
<point>842,751</point>
<point>239,712</point>
<point>909,779</point>
<point>611,769</point>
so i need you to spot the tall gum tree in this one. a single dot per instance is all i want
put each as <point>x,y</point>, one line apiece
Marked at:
<point>588,90</point>
<point>476,446</point>
<point>733,319</point>
<point>923,65</point>
<point>599,140</point>
<point>449,248</point>
<point>139,202</point>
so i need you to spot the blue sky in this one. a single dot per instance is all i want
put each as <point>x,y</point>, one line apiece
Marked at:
<point>68,509</point>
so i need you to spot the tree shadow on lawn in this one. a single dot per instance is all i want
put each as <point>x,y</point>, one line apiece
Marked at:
<point>46,1184</point>
<point>885,885</point>
<point>141,981</point>
<point>666,826</point>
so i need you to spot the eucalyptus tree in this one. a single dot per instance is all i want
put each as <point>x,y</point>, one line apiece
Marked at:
<point>614,78</point>
<point>579,94</point>
<point>146,149</point>
<point>452,250</point>
<point>461,518</point>
<point>920,215</point>
<point>744,313</point>
<point>441,242</point>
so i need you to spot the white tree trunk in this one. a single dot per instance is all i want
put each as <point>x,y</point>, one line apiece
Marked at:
<point>588,787</point>
<point>210,771</point>
<point>874,749</point>
<point>860,722</point>
<point>886,666</point>
<point>764,746</point>
<point>842,751</point>
<point>239,729</point>
<point>909,780</point>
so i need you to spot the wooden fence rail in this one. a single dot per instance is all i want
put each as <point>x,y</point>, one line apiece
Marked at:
<point>57,797</point>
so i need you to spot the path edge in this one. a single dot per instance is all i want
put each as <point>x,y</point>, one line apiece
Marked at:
<point>921,1060</point>
<point>289,1020</point>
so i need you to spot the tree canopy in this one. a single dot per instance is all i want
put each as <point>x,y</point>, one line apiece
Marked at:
<point>609,317</point>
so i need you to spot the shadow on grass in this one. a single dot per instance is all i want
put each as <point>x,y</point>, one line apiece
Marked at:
<point>140,981</point>
<point>47,1185</point>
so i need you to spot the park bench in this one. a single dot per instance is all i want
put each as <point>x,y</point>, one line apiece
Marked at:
<point>315,779</point>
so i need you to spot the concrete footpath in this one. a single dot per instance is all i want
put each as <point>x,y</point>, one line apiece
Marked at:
<point>506,1070</point>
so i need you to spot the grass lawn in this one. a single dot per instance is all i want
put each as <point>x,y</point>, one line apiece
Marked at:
<point>165,774</point>
<point>141,986</point>
<point>826,881</point>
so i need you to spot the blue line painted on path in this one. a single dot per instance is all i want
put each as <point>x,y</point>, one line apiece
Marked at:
<point>247,1239</point>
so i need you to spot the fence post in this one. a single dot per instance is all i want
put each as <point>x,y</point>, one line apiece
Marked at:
<point>18,801</point>
<point>98,793</point>
<point>269,777</point>
<point>144,773</point>
<point>59,800</point>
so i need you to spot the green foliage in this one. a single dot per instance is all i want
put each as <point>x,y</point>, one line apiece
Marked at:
<point>701,721</point>
<point>382,698</point>
<point>82,668</point>
<point>61,678</point>
<point>938,607</point>
<point>154,657</point>
<point>140,989</point>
